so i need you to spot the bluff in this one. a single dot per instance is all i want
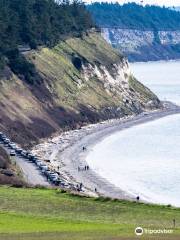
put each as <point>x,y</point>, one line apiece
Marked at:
<point>144,45</point>
<point>142,33</point>
<point>80,80</point>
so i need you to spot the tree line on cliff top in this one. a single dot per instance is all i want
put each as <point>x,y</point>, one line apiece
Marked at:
<point>134,16</point>
<point>36,23</point>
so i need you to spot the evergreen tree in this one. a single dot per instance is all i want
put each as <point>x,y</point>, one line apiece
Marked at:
<point>35,23</point>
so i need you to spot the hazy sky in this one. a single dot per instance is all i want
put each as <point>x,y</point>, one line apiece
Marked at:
<point>157,2</point>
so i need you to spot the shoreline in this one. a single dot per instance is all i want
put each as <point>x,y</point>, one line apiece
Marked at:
<point>156,61</point>
<point>65,152</point>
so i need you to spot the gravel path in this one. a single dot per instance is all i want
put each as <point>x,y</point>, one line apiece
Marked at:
<point>32,174</point>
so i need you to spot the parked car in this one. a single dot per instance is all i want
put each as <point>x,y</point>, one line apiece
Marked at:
<point>2,135</point>
<point>35,159</point>
<point>23,153</point>
<point>12,145</point>
<point>27,153</point>
<point>30,156</point>
<point>44,167</point>
<point>39,163</point>
<point>53,179</point>
<point>19,150</point>
<point>12,153</point>
<point>43,171</point>
<point>47,172</point>
<point>58,182</point>
<point>53,174</point>
<point>6,140</point>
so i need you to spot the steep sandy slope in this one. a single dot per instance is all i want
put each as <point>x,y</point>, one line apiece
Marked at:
<point>82,80</point>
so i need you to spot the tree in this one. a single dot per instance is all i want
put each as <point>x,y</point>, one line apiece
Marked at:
<point>36,23</point>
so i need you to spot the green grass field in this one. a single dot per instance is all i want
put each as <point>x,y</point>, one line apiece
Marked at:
<point>31,214</point>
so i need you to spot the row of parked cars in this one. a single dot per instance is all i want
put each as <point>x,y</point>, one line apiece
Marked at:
<point>51,176</point>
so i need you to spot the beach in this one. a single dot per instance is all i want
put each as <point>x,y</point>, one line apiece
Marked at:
<point>67,152</point>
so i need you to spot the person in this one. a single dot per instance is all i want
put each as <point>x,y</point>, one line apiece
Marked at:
<point>77,187</point>
<point>138,198</point>
<point>80,186</point>
<point>84,148</point>
<point>174,223</point>
<point>95,189</point>
<point>78,168</point>
<point>87,167</point>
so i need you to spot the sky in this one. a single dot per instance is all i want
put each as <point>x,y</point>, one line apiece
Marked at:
<point>151,2</point>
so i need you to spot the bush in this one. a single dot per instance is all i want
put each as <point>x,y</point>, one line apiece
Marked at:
<point>103,199</point>
<point>2,62</point>
<point>20,66</point>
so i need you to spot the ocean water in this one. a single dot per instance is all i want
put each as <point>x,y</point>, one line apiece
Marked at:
<point>145,159</point>
<point>163,78</point>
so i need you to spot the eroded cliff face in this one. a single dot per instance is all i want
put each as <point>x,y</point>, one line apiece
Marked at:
<point>144,45</point>
<point>83,80</point>
<point>119,81</point>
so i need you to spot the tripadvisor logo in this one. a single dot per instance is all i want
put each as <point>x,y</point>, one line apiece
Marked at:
<point>139,231</point>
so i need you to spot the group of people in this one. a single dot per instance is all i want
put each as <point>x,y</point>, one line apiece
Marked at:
<point>79,187</point>
<point>85,168</point>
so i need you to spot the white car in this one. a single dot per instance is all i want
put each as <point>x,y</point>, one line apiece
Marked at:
<point>39,163</point>
<point>44,167</point>
<point>13,146</point>
<point>53,174</point>
<point>7,141</point>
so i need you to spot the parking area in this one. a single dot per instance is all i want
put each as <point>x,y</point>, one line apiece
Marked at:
<point>36,172</point>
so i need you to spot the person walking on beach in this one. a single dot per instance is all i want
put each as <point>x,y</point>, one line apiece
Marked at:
<point>174,223</point>
<point>77,187</point>
<point>86,168</point>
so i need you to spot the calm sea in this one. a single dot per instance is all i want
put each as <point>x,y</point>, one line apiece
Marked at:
<point>145,160</point>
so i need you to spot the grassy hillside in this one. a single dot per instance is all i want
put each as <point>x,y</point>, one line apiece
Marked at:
<point>81,80</point>
<point>51,214</point>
